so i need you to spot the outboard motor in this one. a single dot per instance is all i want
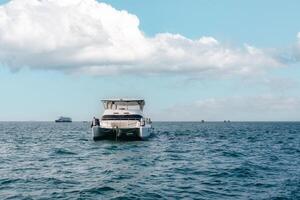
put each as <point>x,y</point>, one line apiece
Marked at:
<point>142,122</point>
<point>95,122</point>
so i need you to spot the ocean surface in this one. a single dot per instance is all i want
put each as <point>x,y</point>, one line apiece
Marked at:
<point>45,160</point>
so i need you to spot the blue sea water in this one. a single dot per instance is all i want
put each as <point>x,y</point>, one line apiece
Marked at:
<point>45,160</point>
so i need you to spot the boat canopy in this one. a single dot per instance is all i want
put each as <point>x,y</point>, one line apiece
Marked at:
<point>123,103</point>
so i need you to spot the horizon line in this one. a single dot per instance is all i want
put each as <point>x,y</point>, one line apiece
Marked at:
<point>184,121</point>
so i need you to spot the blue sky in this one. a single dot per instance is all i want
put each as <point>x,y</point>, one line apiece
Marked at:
<point>263,23</point>
<point>37,93</point>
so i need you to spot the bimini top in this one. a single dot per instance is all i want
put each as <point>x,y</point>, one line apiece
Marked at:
<point>123,103</point>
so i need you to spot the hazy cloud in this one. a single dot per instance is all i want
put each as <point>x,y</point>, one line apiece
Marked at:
<point>252,108</point>
<point>94,38</point>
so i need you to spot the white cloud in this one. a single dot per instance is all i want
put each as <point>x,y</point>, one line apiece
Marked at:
<point>239,108</point>
<point>90,37</point>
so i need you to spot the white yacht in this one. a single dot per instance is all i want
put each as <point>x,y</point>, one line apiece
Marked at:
<point>122,119</point>
<point>64,119</point>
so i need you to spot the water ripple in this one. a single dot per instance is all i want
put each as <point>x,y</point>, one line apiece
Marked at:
<point>43,160</point>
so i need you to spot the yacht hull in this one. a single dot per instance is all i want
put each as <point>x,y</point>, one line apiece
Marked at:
<point>61,121</point>
<point>141,133</point>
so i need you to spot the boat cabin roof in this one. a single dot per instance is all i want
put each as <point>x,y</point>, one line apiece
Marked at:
<point>115,103</point>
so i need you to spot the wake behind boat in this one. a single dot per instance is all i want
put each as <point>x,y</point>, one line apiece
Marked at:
<point>122,119</point>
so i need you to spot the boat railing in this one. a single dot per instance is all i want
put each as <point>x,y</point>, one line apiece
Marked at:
<point>120,124</point>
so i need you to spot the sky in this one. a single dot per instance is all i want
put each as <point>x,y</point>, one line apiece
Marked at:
<point>190,60</point>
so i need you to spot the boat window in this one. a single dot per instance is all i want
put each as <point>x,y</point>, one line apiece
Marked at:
<point>122,117</point>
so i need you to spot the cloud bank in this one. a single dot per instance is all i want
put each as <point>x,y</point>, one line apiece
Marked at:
<point>235,108</point>
<point>85,36</point>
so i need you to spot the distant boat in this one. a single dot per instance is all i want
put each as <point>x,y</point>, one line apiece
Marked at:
<point>64,119</point>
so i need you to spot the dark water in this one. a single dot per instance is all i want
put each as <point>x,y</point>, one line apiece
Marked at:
<point>182,161</point>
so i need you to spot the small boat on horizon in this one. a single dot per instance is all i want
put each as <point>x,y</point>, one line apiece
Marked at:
<point>64,119</point>
<point>122,119</point>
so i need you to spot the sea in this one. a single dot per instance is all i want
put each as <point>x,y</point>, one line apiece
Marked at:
<point>182,160</point>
